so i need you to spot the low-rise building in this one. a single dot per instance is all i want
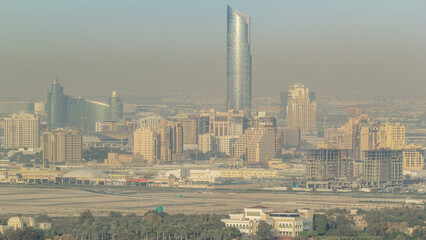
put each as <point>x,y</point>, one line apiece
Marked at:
<point>248,173</point>
<point>285,224</point>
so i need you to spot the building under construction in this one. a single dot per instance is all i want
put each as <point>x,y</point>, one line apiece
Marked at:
<point>329,164</point>
<point>382,168</point>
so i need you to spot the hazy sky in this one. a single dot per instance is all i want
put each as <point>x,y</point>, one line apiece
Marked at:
<point>154,46</point>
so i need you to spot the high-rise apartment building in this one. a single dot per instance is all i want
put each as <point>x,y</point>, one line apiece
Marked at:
<point>161,143</point>
<point>190,134</point>
<point>206,142</point>
<point>21,131</point>
<point>390,136</point>
<point>62,146</point>
<point>231,123</point>
<point>256,145</point>
<point>382,168</point>
<point>301,110</point>
<point>238,60</point>
<point>146,144</point>
<point>63,110</point>
<point>224,144</point>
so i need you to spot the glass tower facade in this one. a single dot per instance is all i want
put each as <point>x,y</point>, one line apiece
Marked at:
<point>63,110</point>
<point>238,60</point>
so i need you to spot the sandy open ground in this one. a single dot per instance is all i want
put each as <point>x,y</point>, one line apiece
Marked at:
<point>69,201</point>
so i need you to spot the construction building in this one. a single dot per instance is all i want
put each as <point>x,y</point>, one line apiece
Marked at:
<point>382,168</point>
<point>62,146</point>
<point>327,164</point>
<point>21,131</point>
<point>301,110</point>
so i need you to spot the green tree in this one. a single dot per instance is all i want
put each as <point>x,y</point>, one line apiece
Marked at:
<point>321,224</point>
<point>86,215</point>
<point>264,230</point>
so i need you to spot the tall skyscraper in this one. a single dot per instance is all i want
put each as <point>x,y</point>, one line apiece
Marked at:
<point>301,110</point>
<point>238,60</point>
<point>21,131</point>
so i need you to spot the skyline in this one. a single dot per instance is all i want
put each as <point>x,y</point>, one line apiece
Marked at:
<point>145,47</point>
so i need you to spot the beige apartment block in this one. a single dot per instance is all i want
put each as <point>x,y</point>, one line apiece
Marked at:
<point>257,145</point>
<point>64,146</point>
<point>412,158</point>
<point>21,131</point>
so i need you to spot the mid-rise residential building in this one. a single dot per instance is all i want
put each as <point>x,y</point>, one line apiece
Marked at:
<point>160,143</point>
<point>146,144</point>
<point>301,110</point>
<point>413,158</point>
<point>390,136</point>
<point>62,146</point>
<point>290,137</point>
<point>231,123</point>
<point>224,144</point>
<point>284,224</point>
<point>190,133</point>
<point>382,168</point>
<point>149,121</point>
<point>255,146</point>
<point>21,131</point>
<point>206,142</point>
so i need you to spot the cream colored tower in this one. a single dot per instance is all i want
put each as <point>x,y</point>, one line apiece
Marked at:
<point>301,110</point>
<point>21,131</point>
<point>146,143</point>
<point>62,146</point>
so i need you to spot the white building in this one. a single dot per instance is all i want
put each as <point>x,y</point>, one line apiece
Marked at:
<point>285,224</point>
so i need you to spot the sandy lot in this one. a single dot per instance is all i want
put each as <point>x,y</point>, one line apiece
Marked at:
<point>69,201</point>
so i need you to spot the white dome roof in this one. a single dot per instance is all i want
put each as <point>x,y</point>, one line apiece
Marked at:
<point>85,173</point>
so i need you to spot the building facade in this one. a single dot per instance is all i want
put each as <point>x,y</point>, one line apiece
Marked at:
<point>284,224</point>
<point>382,168</point>
<point>413,158</point>
<point>161,143</point>
<point>255,146</point>
<point>301,110</point>
<point>206,143</point>
<point>62,146</point>
<point>21,131</point>
<point>63,110</point>
<point>326,164</point>
<point>239,60</point>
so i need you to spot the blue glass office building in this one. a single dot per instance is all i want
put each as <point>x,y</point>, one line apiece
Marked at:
<point>63,110</point>
<point>238,60</point>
